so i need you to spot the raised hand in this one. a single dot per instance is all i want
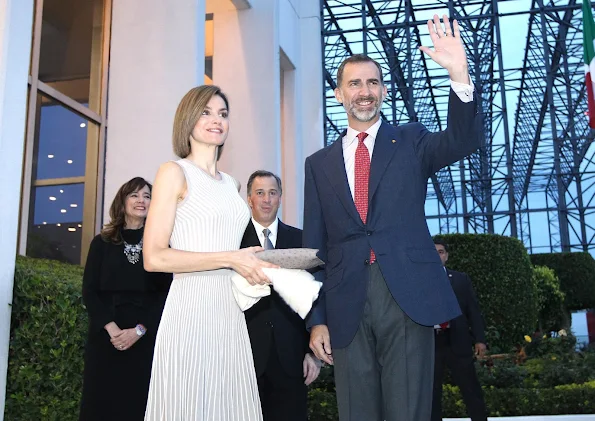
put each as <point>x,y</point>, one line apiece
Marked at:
<point>448,51</point>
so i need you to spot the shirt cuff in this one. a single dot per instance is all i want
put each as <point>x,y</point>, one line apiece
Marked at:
<point>463,91</point>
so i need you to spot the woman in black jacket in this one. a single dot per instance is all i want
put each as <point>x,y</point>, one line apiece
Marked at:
<point>124,303</point>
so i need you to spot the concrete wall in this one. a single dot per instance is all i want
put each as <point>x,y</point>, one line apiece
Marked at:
<point>16,25</point>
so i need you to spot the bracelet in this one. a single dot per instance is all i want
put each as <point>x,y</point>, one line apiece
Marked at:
<point>140,330</point>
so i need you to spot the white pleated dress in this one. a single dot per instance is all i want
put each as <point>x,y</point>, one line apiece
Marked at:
<point>203,368</point>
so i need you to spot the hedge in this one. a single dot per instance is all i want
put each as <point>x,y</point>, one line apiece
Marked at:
<point>502,276</point>
<point>576,272</point>
<point>564,399</point>
<point>551,300</point>
<point>534,388</point>
<point>47,336</point>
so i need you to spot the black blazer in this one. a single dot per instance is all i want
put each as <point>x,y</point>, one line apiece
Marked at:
<point>404,158</point>
<point>272,318</point>
<point>468,328</point>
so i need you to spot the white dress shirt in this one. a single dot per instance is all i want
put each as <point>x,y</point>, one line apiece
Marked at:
<point>274,228</point>
<point>462,90</point>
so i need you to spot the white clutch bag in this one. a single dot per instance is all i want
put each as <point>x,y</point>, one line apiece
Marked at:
<point>297,287</point>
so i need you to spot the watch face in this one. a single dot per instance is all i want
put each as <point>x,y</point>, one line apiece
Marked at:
<point>138,332</point>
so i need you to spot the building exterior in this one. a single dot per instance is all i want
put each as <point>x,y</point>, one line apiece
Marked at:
<point>88,91</point>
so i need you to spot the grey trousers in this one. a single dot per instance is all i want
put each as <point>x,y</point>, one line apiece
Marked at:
<point>387,371</point>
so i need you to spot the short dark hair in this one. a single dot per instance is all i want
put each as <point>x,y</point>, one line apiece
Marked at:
<point>264,173</point>
<point>442,243</point>
<point>356,58</point>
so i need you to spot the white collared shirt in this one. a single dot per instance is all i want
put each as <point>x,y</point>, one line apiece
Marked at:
<point>349,142</point>
<point>274,228</point>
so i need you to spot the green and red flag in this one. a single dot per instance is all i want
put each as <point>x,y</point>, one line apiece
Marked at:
<point>589,52</point>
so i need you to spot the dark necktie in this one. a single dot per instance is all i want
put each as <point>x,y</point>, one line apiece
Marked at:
<point>362,177</point>
<point>268,245</point>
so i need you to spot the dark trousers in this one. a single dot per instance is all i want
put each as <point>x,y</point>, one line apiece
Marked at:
<point>386,372</point>
<point>282,397</point>
<point>464,376</point>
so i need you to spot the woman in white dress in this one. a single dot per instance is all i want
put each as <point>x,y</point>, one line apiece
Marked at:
<point>202,367</point>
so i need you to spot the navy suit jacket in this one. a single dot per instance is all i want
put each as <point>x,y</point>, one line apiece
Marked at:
<point>404,158</point>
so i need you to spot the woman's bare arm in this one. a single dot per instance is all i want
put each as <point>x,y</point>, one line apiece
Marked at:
<point>169,187</point>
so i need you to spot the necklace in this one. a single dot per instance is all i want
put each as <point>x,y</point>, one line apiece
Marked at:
<point>132,251</point>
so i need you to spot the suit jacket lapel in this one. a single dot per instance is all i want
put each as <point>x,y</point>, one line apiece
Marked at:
<point>384,148</point>
<point>335,172</point>
<point>250,237</point>
<point>281,237</point>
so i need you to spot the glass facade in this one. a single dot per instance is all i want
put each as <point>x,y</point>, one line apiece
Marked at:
<point>66,125</point>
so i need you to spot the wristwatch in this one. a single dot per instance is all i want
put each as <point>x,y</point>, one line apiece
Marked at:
<point>140,330</point>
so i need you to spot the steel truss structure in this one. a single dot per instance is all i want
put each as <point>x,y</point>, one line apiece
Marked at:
<point>533,177</point>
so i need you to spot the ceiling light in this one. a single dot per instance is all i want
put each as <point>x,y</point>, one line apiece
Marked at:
<point>83,125</point>
<point>71,229</point>
<point>80,226</point>
<point>69,161</point>
<point>45,223</point>
<point>52,198</point>
<point>73,205</point>
<point>50,156</point>
<point>58,225</point>
<point>63,210</point>
<point>61,191</point>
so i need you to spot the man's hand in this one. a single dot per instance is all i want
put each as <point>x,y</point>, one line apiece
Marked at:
<point>480,349</point>
<point>311,369</point>
<point>320,343</point>
<point>448,49</point>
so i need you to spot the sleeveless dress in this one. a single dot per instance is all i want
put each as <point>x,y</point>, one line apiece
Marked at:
<point>203,368</point>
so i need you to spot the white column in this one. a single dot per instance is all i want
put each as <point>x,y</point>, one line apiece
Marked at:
<point>303,132</point>
<point>16,23</point>
<point>309,94</point>
<point>157,55</point>
<point>246,67</point>
<point>268,59</point>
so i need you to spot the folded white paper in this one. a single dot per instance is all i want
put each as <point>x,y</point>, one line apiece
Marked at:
<point>296,287</point>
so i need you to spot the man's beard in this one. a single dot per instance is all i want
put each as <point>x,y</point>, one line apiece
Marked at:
<point>367,115</point>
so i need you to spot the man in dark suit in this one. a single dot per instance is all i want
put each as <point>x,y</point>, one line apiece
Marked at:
<point>383,285</point>
<point>284,366</point>
<point>454,346</point>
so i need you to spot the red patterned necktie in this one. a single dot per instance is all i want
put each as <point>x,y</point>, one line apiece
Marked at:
<point>362,176</point>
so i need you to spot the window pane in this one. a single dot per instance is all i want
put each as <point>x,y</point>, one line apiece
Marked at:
<point>56,223</point>
<point>61,142</point>
<point>70,55</point>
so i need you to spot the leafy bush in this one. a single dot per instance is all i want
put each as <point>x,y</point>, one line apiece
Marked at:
<point>566,399</point>
<point>576,272</point>
<point>551,300</point>
<point>563,399</point>
<point>540,345</point>
<point>47,336</point>
<point>502,275</point>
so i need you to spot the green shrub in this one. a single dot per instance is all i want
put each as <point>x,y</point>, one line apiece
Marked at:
<point>564,399</point>
<point>502,275</point>
<point>47,336</point>
<point>502,374</point>
<point>544,346</point>
<point>576,272</point>
<point>551,300</point>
